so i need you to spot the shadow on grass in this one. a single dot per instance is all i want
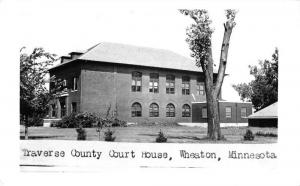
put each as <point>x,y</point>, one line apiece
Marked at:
<point>39,137</point>
<point>187,137</point>
<point>178,137</point>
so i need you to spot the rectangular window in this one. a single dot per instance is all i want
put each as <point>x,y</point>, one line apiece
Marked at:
<point>243,112</point>
<point>204,112</point>
<point>74,107</point>
<point>185,85</point>
<point>136,83</point>
<point>228,112</point>
<point>153,83</point>
<point>75,83</point>
<point>200,88</point>
<point>170,84</point>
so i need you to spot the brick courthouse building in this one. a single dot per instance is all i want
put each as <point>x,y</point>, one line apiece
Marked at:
<point>140,84</point>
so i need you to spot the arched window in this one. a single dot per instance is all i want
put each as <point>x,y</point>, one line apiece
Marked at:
<point>186,110</point>
<point>154,110</point>
<point>136,110</point>
<point>136,83</point>
<point>170,110</point>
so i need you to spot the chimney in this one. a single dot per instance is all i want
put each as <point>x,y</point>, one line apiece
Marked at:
<point>70,57</point>
<point>65,59</point>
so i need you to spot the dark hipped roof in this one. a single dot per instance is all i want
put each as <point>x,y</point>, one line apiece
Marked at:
<point>268,112</point>
<point>135,55</point>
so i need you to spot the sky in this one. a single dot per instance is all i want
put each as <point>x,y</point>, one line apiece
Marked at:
<point>64,26</point>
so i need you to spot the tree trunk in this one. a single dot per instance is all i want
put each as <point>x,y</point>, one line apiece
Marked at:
<point>26,127</point>
<point>213,92</point>
<point>217,129</point>
<point>210,118</point>
<point>213,122</point>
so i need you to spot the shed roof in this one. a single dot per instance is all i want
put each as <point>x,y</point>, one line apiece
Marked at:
<point>268,112</point>
<point>135,55</point>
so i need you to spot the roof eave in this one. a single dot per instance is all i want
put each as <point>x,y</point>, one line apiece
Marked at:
<point>263,117</point>
<point>62,64</point>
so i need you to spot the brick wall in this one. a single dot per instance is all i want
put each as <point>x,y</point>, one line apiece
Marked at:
<point>67,72</point>
<point>235,112</point>
<point>110,84</point>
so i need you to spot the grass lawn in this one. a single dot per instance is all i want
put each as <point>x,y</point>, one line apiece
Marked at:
<point>148,134</point>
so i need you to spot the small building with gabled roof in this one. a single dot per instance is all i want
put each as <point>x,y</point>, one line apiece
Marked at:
<point>266,117</point>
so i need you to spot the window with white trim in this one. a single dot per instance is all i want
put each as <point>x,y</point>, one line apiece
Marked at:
<point>185,85</point>
<point>228,112</point>
<point>243,112</point>
<point>200,88</point>
<point>136,110</point>
<point>154,110</point>
<point>170,84</point>
<point>170,110</point>
<point>153,83</point>
<point>186,110</point>
<point>136,83</point>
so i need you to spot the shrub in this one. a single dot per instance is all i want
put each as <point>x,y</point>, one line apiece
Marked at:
<point>35,121</point>
<point>249,136</point>
<point>56,124</point>
<point>81,133</point>
<point>69,121</point>
<point>74,120</point>
<point>118,123</point>
<point>161,137</point>
<point>267,134</point>
<point>86,119</point>
<point>108,135</point>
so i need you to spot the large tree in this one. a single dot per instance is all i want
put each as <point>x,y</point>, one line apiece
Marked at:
<point>263,90</point>
<point>34,96</point>
<point>199,40</point>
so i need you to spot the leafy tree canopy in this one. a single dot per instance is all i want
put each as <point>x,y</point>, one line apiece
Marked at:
<point>263,90</point>
<point>34,96</point>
